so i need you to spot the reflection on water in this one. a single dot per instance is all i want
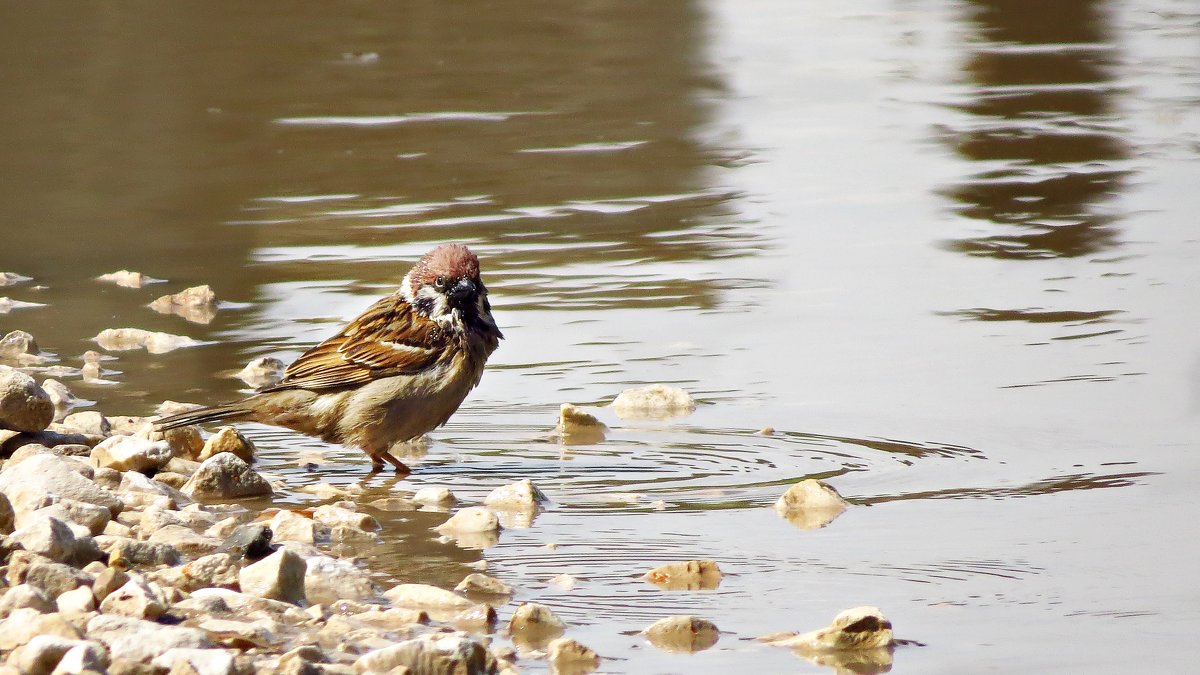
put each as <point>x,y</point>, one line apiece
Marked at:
<point>1043,130</point>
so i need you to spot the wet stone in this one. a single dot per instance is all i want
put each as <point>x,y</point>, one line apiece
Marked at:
<point>197,304</point>
<point>682,634</point>
<point>18,343</point>
<point>328,580</point>
<point>577,427</point>
<point>60,395</point>
<point>438,654</point>
<point>435,496</point>
<point>810,504</point>
<point>125,339</point>
<point>568,656</point>
<point>131,453</point>
<point>128,279</point>
<point>226,476</point>
<point>251,541</point>
<point>228,439</point>
<point>24,406</point>
<point>533,625</point>
<point>470,520</point>
<point>483,584</point>
<point>424,596</point>
<point>656,401</point>
<point>858,628</point>
<point>88,422</point>
<point>690,575</point>
<point>279,576</point>
<point>334,516</point>
<point>263,371</point>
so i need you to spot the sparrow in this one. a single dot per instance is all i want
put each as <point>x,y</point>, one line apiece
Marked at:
<point>398,370</point>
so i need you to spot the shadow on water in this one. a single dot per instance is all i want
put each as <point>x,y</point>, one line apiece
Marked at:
<point>1043,129</point>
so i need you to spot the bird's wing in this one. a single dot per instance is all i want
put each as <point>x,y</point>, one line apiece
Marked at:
<point>388,339</point>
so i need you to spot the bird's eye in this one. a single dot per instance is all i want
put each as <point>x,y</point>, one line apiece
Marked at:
<point>440,281</point>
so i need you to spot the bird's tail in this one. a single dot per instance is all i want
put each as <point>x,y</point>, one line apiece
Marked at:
<point>232,412</point>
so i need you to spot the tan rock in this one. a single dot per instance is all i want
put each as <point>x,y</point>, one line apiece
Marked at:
<point>228,439</point>
<point>858,628</point>
<point>533,625</point>
<point>569,657</point>
<point>128,279</point>
<point>682,634</point>
<point>576,427</point>
<point>689,575</point>
<point>810,504</point>
<point>279,576</point>
<point>655,401</point>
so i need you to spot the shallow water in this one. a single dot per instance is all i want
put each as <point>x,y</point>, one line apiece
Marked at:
<point>948,251</point>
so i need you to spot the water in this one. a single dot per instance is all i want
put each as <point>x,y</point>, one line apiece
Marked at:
<point>947,250</point>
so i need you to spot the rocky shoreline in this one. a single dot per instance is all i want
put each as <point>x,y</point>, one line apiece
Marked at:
<point>127,551</point>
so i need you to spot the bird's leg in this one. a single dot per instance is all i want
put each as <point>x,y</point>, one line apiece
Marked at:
<point>380,456</point>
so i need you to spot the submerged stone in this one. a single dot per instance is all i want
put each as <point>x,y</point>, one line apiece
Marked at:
<point>688,575</point>
<point>656,401</point>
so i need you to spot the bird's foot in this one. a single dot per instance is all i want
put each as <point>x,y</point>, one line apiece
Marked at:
<point>378,460</point>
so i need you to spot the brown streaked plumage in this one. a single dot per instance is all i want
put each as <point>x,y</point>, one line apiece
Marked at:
<point>400,369</point>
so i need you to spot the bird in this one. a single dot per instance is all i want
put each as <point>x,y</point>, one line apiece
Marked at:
<point>397,371</point>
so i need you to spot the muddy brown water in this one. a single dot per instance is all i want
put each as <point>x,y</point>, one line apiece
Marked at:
<point>948,250</point>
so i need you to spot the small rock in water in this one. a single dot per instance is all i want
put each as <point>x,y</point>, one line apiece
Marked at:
<point>60,395</point>
<point>330,579</point>
<point>682,634</point>
<point>435,496</point>
<point>483,584</point>
<point>24,406</point>
<point>436,654</point>
<point>576,427</point>
<point>128,279</point>
<point>533,624</point>
<point>473,527</point>
<point>569,657</point>
<point>226,476</point>
<point>690,575</point>
<point>860,628</point>
<point>565,582</point>
<point>8,304</point>
<point>522,494</point>
<point>12,278</point>
<point>17,345</point>
<point>810,504</point>
<point>251,541</point>
<point>334,515</point>
<point>261,372</point>
<point>656,401</point>
<point>197,304</point>
<point>228,439</point>
<point>426,597</point>
<point>125,339</point>
<point>89,422</point>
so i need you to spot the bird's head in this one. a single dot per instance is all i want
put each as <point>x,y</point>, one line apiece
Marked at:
<point>446,280</point>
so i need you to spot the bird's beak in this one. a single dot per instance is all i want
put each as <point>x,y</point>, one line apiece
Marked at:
<point>465,288</point>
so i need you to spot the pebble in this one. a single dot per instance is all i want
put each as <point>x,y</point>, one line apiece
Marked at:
<point>42,654</point>
<point>689,575</point>
<point>25,595</point>
<point>128,279</point>
<point>18,345</point>
<point>858,628</point>
<point>24,405</point>
<point>8,304</point>
<point>51,577</point>
<point>438,653</point>
<point>226,476</point>
<point>328,580</point>
<point>682,634</point>
<point>334,515</point>
<point>576,427</point>
<point>131,453</point>
<point>141,641</point>
<point>292,526</point>
<point>655,401</point>
<point>26,624</point>
<point>251,541</point>
<point>76,601</point>
<point>125,339</point>
<point>522,495</point>
<point>185,540</point>
<point>533,625</point>
<point>262,372</point>
<point>137,599</point>
<point>564,582</point>
<point>228,439</point>
<point>214,570</point>
<point>279,576</point>
<point>810,504</point>
<point>426,597</point>
<point>194,661</point>
<point>57,540</point>
<point>12,279</point>
<point>470,520</point>
<point>484,585</point>
<point>197,304</point>
<point>89,422</point>
<point>439,497</point>
<point>569,656</point>
<point>60,395</point>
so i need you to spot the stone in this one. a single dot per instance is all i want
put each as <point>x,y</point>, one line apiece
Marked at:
<point>245,603</point>
<point>242,634</point>
<point>262,372</point>
<point>569,656</point>
<point>279,576</point>
<point>76,601</point>
<point>521,495</point>
<point>226,476</point>
<point>26,623</point>
<point>131,453</point>
<point>43,653</point>
<point>12,279</point>
<point>435,496</point>
<point>393,504</point>
<point>125,339</point>
<point>124,553</point>
<point>470,520</point>
<point>333,515</point>
<point>424,596</point>
<point>88,422</point>
<point>128,279</point>
<point>140,641</point>
<point>563,582</point>
<point>576,427</point>
<point>53,578</point>
<point>7,516</point>
<point>655,401</point>
<point>251,541</point>
<point>186,443</point>
<point>214,570</point>
<point>25,595</point>
<point>185,540</point>
<point>84,657</point>
<point>32,480</point>
<point>48,536</point>
<point>108,581</point>
<point>810,504</point>
<point>228,439</point>
<point>858,628</point>
<point>60,395</point>
<point>436,654</point>
<point>483,584</point>
<point>682,634</point>
<point>18,343</point>
<point>688,575</point>
<point>534,625</point>
<point>328,580</point>
<point>292,526</point>
<point>94,518</point>
<point>136,599</point>
<point>197,304</point>
<point>24,406</point>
